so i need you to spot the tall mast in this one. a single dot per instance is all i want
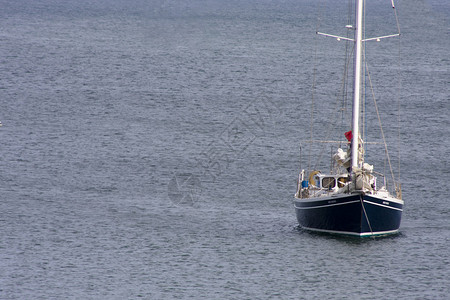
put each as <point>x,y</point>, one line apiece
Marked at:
<point>357,83</point>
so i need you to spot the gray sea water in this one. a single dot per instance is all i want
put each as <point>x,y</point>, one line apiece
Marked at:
<point>150,149</point>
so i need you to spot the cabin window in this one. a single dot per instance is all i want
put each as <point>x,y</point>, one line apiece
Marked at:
<point>328,182</point>
<point>342,181</point>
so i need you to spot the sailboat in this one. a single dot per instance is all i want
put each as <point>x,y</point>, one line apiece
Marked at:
<point>350,200</point>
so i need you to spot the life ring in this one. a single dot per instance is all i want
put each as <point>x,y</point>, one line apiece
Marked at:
<point>311,177</point>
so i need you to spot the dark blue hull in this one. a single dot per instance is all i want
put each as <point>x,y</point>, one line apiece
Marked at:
<point>354,214</point>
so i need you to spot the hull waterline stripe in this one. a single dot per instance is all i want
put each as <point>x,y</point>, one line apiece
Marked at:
<point>362,234</point>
